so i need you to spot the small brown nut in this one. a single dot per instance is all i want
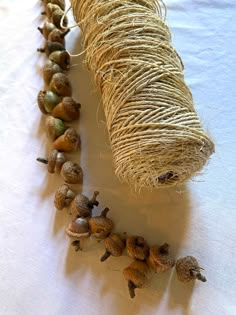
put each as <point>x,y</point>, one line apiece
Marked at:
<point>49,9</point>
<point>51,47</point>
<point>60,3</point>
<point>101,226</point>
<point>136,275</point>
<point>61,57</point>
<point>137,247</point>
<point>114,246</point>
<point>49,69</point>
<point>78,230</point>
<point>83,206</point>
<point>69,141</point>
<point>60,85</point>
<point>57,15</point>
<point>67,110</point>
<point>159,258</point>
<point>72,173</point>
<point>54,128</point>
<point>188,269</point>
<point>55,161</point>
<point>57,35</point>
<point>63,197</point>
<point>46,29</point>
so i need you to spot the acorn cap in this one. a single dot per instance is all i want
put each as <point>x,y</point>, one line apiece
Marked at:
<point>188,269</point>
<point>57,16</point>
<point>137,247</point>
<point>52,160</point>
<point>51,47</point>
<point>101,226</point>
<point>63,197</point>
<point>78,229</point>
<point>40,100</point>
<point>60,3</point>
<point>159,258</point>
<point>62,58</point>
<point>69,141</point>
<point>72,173</point>
<point>54,127</point>
<point>67,110</point>
<point>61,85</point>
<point>49,69</point>
<point>57,35</point>
<point>50,8</point>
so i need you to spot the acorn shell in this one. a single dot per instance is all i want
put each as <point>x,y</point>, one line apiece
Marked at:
<point>61,85</point>
<point>159,260</point>
<point>188,269</point>
<point>72,173</point>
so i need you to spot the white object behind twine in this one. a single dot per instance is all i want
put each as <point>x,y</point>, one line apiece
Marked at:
<point>155,134</point>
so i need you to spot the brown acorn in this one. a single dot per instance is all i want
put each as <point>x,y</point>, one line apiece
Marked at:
<point>67,142</point>
<point>137,247</point>
<point>54,162</point>
<point>57,16</point>
<point>50,47</point>
<point>72,173</point>
<point>159,258</point>
<point>101,226</point>
<point>78,230</point>
<point>47,100</point>
<point>62,58</point>
<point>49,69</point>
<point>49,9</point>
<point>60,3</point>
<point>67,110</point>
<point>83,206</point>
<point>54,128</point>
<point>63,197</point>
<point>57,35</point>
<point>61,85</point>
<point>136,275</point>
<point>47,28</point>
<point>188,269</point>
<point>114,246</point>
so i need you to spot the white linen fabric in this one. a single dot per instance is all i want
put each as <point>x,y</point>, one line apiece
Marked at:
<point>39,271</point>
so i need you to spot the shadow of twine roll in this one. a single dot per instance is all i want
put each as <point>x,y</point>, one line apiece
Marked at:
<point>155,134</point>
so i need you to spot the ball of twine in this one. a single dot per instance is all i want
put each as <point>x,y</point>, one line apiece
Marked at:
<point>155,134</point>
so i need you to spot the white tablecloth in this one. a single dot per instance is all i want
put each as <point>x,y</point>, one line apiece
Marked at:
<point>39,272</point>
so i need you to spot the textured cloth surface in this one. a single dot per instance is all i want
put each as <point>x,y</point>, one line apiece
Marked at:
<point>39,271</point>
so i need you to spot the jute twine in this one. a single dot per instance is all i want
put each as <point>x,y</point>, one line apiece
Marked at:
<point>155,134</point>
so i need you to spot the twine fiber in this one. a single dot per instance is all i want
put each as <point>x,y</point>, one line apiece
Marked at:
<point>155,134</point>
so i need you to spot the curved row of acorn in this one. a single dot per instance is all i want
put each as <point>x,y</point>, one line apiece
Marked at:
<point>57,103</point>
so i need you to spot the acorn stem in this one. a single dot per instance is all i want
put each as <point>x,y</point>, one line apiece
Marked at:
<point>40,29</point>
<point>42,160</point>
<point>93,202</point>
<point>104,212</point>
<point>201,277</point>
<point>64,33</point>
<point>164,249</point>
<point>105,256</point>
<point>132,288</point>
<point>43,13</point>
<point>42,50</point>
<point>76,244</point>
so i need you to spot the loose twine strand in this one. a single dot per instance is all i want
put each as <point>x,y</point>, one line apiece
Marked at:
<point>155,134</point>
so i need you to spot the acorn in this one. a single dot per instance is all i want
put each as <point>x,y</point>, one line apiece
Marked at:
<point>60,3</point>
<point>47,100</point>
<point>62,58</point>
<point>67,110</point>
<point>63,197</point>
<point>137,247</point>
<point>57,15</point>
<point>78,230</point>
<point>54,162</point>
<point>159,258</point>
<point>82,205</point>
<point>57,35</point>
<point>136,275</point>
<point>69,141</point>
<point>101,226</point>
<point>49,69</point>
<point>60,85</point>
<point>54,128</point>
<point>49,9</point>
<point>50,47</point>
<point>72,173</point>
<point>188,269</point>
<point>114,246</point>
<point>47,28</point>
